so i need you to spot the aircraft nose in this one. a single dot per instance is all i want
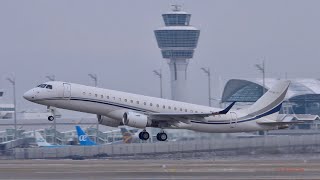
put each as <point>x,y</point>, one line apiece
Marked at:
<point>29,95</point>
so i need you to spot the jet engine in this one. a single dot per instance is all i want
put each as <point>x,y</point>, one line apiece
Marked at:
<point>136,120</point>
<point>109,121</point>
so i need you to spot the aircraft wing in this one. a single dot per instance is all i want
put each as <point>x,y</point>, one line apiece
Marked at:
<point>186,116</point>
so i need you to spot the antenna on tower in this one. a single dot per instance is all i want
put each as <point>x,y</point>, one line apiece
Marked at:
<point>176,7</point>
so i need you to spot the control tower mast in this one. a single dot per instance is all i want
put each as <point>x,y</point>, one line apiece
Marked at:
<point>177,41</point>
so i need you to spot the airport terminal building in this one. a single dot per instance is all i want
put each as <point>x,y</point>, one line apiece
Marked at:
<point>303,96</point>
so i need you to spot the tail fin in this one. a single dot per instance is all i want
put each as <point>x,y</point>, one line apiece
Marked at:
<point>41,142</point>
<point>270,103</point>
<point>127,136</point>
<point>83,138</point>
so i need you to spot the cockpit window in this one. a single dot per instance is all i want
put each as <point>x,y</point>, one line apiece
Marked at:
<point>42,85</point>
<point>49,86</point>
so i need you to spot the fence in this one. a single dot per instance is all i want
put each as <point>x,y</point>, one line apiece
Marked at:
<point>295,143</point>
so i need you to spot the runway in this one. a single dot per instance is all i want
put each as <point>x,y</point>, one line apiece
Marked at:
<point>159,169</point>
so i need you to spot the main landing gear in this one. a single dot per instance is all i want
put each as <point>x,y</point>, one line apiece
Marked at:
<point>144,135</point>
<point>161,136</point>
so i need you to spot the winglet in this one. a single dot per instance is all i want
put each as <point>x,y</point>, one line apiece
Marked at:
<point>226,110</point>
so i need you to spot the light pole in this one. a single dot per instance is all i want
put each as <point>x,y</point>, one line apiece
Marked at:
<point>207,71</point>
<point>94,77</point>
<point>51,77</point>
<point>261,68</point>
<point>12,80</point>
<point>159,74</point>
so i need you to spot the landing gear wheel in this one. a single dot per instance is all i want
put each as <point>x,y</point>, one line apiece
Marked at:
<point>162,136</point>
<point>50,118</point>
<point>144,135</point>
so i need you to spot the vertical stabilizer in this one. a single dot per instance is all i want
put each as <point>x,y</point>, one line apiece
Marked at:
<point>83,139</point>
<point>270,103</point>
<point>41,142</point>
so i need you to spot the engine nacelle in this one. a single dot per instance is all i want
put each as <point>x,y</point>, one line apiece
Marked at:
<point>109,121</point>
<point>136,120</point>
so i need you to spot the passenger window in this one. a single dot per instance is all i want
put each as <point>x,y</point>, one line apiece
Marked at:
<point>180,109</point>
<point>107,97</point>
<point>114,98</point>
<point>84,93</point>
<point>49,86</point>
<point>169,107</point>
<point>96,95</point>
<point>150,104</point>
<point>101,96</point>
<point>157,105</point>
<point>186,110</point>
<point>196,111</point>
<point>125,100</point>
<point>137,102</point>
<point>145,103</point>
<point>175,108</point>
<point>89,94</point>
<point>119,99</point>
<point>163,106</point>
<point>131,101</point>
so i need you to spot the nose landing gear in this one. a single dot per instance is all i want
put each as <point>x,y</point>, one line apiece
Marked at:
<point>50,118</point>
<point>52,110</point>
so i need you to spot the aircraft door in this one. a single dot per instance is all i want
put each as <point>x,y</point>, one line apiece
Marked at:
<point>66,90</point>
<point>233,119</point>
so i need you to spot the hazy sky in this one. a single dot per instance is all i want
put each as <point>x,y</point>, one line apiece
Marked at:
<point>115,40</point>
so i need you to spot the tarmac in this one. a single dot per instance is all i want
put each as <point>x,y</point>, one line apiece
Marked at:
<point>112,169</point>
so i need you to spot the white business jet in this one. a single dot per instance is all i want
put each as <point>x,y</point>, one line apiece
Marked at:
<point>115,108</point>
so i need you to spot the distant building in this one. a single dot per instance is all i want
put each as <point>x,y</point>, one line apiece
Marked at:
<point>177,41</point>
<point>303,95</point>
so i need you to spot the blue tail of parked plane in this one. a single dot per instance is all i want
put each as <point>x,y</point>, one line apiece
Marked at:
<point>83,138</point>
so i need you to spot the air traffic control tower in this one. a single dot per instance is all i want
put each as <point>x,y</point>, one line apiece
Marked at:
<point>177,41</point>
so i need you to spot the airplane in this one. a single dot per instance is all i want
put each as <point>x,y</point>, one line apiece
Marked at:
<point>83,139</point>
<point>115,108</point>
<point>41,142</point>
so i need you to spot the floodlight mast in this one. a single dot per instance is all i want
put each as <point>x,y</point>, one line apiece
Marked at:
<point>94,77</point>
<point>261,68</point>
<point>12,80</point>
<point>207,72</point>
<point>159,74</point>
